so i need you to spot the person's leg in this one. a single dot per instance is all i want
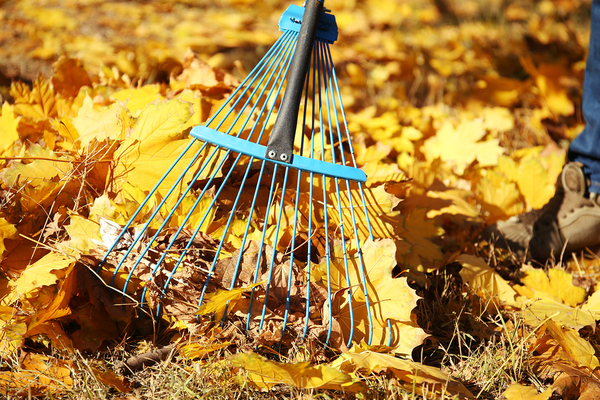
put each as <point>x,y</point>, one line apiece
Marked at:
<point>570,221</point>
<point>586,147</point>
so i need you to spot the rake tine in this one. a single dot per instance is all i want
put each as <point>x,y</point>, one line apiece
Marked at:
<point>281,207</point>
<point>290,270</point>
<point>260,251</point>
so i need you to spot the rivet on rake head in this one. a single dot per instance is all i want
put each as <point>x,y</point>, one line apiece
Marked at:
<point>283,157</point>
<point>272,154</point>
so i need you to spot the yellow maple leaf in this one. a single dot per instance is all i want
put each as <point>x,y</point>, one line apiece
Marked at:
<point>460,146</point>
<point>36,103</point>
<point>548,80</point>
<point>498,196</point>
<point>265,374</point>
<point>534,183</point>
<point>155,145</point>
<point>557,283</point>
<point>46,167</point>
<point>84,235</point>
<point>380,172</point>
<point>371,154</point>
<point>137,99</point>
<point>39,374</point>
<point>497,119</point>
<point>389,298</point>
<point>536,311</point>
<point>380,208</point>
<point>8,128</point>
<point>419,230</point>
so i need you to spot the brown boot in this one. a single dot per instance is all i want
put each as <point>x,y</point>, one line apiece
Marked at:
<point>569,222</point>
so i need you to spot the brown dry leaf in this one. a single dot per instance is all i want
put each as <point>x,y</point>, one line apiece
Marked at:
<point>110,378</point>
<point>575,383</point>
<point>69,76</point>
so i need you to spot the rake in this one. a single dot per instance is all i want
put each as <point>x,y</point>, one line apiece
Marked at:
<point>262,202</point>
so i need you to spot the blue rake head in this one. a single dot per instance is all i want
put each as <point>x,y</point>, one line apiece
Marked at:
<point>273,205</point>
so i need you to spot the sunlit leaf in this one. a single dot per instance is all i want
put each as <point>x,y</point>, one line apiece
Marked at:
<point>484,281</point>
<point>407,372</point>
<point>222,301</point>
<point>100,125</point>
<point>265,374</point>
<point>7,231</point>
<point>460,146</point>
<point>41,273</point>
<point>577,349</point>
<point>516,391</point>
<point>8,127</point>
<point>558,283</point>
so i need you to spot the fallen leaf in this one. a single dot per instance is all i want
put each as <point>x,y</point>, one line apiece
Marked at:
<point>41,273</point>
<point>265,374</point>
<point>222,301</point>
<point>8,128</point>
<point>410,374</point>
<point>516,391</point>
<point>577,350</point>
<point>484,281</point>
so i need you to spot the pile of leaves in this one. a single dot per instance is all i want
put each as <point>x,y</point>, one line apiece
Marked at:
<point>460,114</point>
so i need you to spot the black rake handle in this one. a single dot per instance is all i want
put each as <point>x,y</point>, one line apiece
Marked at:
<point>281,141</point>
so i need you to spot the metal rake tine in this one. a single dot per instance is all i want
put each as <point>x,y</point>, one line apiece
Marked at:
<point>275,242</point>
<point>293,246</point>
<point>265,224</point>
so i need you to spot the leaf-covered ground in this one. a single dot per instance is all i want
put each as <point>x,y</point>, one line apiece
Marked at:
<point>460,112</point>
